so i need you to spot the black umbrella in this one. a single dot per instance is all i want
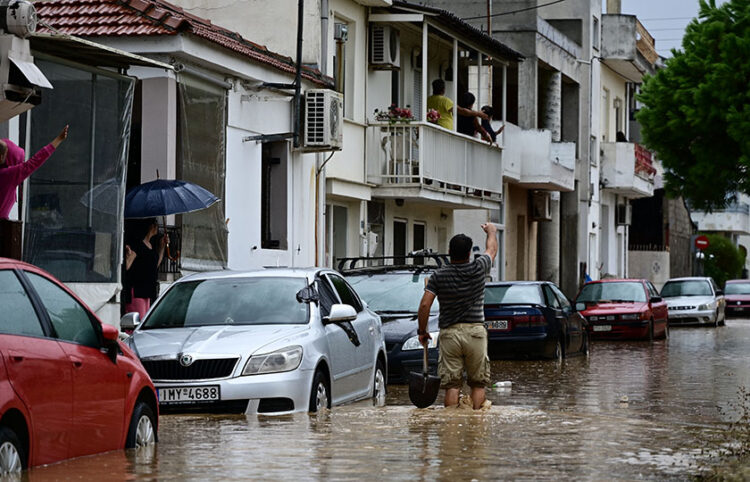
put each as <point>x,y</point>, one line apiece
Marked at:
<point>162,197</point>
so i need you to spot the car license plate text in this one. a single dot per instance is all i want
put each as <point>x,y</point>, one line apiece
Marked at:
<point>208,393</point>
<point>602,327</point>
<point>497,325</point>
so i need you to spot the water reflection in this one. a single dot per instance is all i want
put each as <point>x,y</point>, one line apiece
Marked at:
<point>628,411</point>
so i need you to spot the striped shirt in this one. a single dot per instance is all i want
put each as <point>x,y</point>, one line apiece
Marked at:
<point>460,291</point>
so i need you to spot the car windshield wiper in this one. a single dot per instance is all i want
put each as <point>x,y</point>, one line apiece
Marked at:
<point>397,312</point>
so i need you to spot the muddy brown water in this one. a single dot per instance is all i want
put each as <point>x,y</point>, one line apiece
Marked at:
<point>629,411</point>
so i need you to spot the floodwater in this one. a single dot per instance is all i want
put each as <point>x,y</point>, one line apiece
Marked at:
<point>629,411</point>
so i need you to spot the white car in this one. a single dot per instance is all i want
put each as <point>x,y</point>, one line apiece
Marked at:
<point>695,300</point>
<point>272,341</point>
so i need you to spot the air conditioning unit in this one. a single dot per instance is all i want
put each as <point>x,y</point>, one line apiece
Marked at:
<point>385,47</point>
<point>324,114</point>
<point>540,206</point>
<point>623,214</point>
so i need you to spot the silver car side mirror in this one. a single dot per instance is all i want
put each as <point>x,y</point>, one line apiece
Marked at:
<point>339,313</point>
<point>130,321</point>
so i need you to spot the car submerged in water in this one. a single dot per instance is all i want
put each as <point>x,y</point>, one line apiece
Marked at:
<point>394,292</point>
<point>694,301</point>
<point>532,319</point>
<point>623,309</point>
<point>737,297</point>
<point>272,341</point>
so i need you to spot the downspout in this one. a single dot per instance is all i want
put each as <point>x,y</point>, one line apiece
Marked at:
<point>319,163</point>
<point>298,74</point>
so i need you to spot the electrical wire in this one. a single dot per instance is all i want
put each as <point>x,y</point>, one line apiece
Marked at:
<point>513,11</point>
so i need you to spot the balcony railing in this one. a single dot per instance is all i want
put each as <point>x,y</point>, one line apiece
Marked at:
<point>644,164</point>
<point>627,169</point>
<point>419,154</point>
<point>170,263</point>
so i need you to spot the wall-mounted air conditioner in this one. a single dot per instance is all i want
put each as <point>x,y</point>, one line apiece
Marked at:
<point>385,47</point>
<point>623,214</point>
<point>539,206</point>
<point>324,114</point>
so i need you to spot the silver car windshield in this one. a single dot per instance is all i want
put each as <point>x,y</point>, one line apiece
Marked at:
<point>512,294</point>
<point>230,301</point>
<point>392,292</point>
<point>612,292</point>
<point>686,288</point>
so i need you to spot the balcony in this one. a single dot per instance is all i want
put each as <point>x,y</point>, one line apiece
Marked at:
<point>627,47</point>
<point>423,162</point>
<point>533,160</point>
<point>627,169</point>
<point>734,218</point>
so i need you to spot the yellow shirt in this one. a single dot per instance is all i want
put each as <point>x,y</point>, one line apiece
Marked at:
<point>444,106</point>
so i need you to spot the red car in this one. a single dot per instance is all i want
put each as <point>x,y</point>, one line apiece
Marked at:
<point>623,309</point>
<point>737,296</point>
<point>68,386</point>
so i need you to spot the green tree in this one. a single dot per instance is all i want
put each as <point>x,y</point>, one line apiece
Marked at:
<point>696,112</point>
<point>723,260</point>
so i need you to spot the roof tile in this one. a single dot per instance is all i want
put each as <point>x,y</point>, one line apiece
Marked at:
<point>123,18</point>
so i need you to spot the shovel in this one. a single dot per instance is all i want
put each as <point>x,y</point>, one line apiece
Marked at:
<point>423,387</point>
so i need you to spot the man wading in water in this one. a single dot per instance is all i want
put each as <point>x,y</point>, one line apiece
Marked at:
<point>462,342</point>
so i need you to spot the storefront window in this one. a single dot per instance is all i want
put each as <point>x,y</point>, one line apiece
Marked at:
<point>74,203</point>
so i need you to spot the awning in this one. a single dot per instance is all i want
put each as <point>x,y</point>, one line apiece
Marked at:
<point>86,52</point>
<point>30,71</point>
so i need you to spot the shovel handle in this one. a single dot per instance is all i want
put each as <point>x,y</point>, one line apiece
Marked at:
<point>424,364</point>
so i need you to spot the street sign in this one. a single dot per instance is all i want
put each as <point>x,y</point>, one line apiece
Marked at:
<point>701,242</point>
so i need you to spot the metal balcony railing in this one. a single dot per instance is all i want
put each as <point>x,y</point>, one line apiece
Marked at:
<point>170,263</point>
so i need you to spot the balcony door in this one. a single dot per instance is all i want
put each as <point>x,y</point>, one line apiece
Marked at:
<point>399,241</point>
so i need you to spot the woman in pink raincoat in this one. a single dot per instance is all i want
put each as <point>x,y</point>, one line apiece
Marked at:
<point>13,171</point>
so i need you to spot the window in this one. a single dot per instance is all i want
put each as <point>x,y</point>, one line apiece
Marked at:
<point>69,319</point>
<point>605,115</point>
<point>328,297</point>
<point>595,35</point>
<point>347,296</point>
<point>560,296</point>
<point>273,201</point>
<point>344,62</point>
<point>336,233</point>
<point>19,317</point>
<point>73,213</point>
<point>201,145</point>
<point>550,298</point>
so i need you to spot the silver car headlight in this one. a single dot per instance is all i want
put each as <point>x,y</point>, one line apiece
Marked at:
<point>705,307</point>
<point>284,360</point>
<point>413,342</point>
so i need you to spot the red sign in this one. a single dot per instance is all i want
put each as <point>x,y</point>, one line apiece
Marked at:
<point>701,242</point>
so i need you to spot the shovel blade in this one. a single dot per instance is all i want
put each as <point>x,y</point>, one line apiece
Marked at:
<point>423,389</point>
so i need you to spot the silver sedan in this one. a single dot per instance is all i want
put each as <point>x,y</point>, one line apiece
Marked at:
<point>271,341</point>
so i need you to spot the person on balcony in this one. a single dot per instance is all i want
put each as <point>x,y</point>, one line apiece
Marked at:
<point>444,106</point>
<point>13,170</point>
<point>468,119</point>
<point>487,124</point>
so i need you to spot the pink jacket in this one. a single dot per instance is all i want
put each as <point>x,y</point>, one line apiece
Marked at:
<point>16,171</point>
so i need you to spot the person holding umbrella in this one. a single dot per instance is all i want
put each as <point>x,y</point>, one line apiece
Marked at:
<point>13,170</point>
<point>142,261</point>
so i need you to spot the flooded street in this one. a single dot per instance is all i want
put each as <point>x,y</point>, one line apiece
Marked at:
<point>629,411</point>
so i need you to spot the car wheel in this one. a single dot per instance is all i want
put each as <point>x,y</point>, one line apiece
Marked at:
<point>378,385</point>
<point>558,352</point>
<point>142,429</point>
<point>320,393</point>
<point>12,456</point>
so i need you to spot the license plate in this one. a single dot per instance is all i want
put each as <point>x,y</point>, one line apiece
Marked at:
<point>497,325</point>
<point>207,393</point>
<point>602,327</point>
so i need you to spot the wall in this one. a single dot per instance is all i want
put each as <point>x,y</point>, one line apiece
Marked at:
<point>615,85</point>
<point>651,265</point>
<point>520,259</point>
<point>677,220</point>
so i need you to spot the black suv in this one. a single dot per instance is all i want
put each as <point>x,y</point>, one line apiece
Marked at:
<point>392,286</point>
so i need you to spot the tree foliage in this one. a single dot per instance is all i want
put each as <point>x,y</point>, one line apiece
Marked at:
<point>723,260</point>
<point>696,113</point>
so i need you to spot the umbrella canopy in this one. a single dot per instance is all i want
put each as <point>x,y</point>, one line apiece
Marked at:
<point>163,197</point>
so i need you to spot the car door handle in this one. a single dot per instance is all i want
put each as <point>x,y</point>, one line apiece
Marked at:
<point>76,362</point>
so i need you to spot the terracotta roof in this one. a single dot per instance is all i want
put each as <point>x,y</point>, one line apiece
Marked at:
<point>131,18</point>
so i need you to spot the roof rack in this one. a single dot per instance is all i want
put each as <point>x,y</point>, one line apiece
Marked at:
<point>425,254</point>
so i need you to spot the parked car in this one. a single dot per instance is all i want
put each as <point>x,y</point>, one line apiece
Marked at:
<point>737,297</point>
<point>394,292</point>
<point>68,387</point>
<point>270,341</point>
<point>694,301</point>
<point>623,309</point>
<point>532,319</point>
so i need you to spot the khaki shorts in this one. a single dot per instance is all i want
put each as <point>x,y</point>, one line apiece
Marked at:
<point>463,347</point>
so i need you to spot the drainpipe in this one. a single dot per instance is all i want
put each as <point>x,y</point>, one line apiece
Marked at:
<point>319,162</point>
<point>298,74</point>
